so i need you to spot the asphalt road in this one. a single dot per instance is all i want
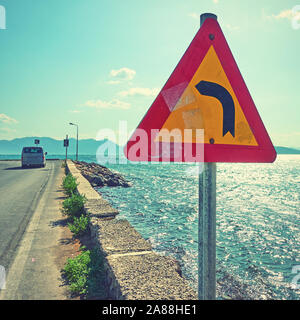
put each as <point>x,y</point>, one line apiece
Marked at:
<point>20,192</point>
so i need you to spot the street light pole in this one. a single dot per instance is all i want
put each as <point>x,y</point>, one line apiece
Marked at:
<point>74,124</point>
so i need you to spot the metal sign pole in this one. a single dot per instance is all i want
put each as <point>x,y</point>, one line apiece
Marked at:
<point>207,224</point>
<point>66,149</point>
<point>207,233</point>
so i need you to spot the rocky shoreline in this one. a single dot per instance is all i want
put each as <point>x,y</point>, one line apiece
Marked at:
<point>133,271</point>
<point>100,176</point>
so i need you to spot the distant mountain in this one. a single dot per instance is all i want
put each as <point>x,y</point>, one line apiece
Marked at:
<point>52,146</point>
<point>85,146</point>
<point>285,150</point>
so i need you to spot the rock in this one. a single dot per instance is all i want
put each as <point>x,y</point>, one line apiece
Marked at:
<point>100,176</point>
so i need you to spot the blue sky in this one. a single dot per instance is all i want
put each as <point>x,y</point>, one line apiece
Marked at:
<point>95,62</point>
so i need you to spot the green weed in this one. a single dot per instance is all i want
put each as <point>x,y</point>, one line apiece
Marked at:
<point>76,270</point>
<point>79,225</point>
<point>85,274</point>
<point>70,184</point>
<point>73,206</point>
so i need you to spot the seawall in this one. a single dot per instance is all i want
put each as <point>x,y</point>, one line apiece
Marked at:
<point>133,270</point>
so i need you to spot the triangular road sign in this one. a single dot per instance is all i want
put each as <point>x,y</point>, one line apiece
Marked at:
<point>205,91</point>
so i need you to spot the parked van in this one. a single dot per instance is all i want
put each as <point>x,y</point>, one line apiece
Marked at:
<point>33,156</point>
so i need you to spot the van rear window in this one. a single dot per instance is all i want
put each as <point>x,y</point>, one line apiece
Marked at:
<point>32,150</point>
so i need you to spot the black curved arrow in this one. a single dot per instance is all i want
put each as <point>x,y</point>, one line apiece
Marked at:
<point>215,90</point>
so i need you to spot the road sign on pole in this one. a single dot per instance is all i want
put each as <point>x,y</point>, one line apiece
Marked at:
<point>36,141</point>
<point>66,145</point>
<point>66,142</point>
<point>205,92</point>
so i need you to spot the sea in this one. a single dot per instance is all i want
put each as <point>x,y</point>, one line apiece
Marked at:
<point>258,229</point>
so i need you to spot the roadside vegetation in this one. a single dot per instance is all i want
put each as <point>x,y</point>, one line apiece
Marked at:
<point>79,225</point>
<point>73,207</point>
<point>70,185</point>
<point>84,273</point>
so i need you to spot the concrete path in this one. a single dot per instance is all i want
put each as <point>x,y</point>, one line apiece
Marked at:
<point>31,198</point>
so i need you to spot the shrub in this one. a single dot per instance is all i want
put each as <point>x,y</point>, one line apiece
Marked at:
<point>76,270</point>
<point>73,206</point>
<point>85,274</point>
<point>79,225</point>
<point>70,184</point>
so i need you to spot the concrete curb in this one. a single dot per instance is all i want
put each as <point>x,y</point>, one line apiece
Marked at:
<point>133,270</point>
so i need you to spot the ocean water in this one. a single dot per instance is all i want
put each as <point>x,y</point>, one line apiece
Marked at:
<point>258,230</point>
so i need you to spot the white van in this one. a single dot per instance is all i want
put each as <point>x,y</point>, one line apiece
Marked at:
<point>33,156</point>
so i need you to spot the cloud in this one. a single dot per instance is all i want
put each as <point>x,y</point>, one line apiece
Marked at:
<point>289,14</point>
<point>123,74</point>
<point>285,14</point>
<point>113,104</point>
<point>140,91</point>
<point>6,119</point>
